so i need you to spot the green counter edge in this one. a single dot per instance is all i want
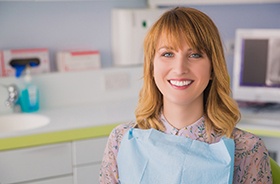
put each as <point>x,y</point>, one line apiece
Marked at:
<point>266,133</point>
<point>55,137</point>
<point>79,134</point>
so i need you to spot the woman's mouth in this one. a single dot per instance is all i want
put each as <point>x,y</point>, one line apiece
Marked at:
<point>180,83</point>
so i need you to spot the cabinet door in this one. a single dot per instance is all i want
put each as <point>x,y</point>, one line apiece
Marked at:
<point>87,158</point>
<point>87,174</point>
<point>89,151</point>
<point>35,163</point>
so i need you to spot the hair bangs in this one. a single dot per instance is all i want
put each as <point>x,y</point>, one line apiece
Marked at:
<point>175,31</point>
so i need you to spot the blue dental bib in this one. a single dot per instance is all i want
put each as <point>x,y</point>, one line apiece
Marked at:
<point>152,157</point>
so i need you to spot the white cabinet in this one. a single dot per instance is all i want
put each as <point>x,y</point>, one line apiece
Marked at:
<point>87,156</point>
<point>87,174</point>
<point>75,162</point>
<point>36,163</point>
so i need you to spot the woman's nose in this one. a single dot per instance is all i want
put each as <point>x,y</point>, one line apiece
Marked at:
<point>181,65</point>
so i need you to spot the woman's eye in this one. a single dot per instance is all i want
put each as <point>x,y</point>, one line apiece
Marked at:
<point>196,55</point>
<point>167,54</point>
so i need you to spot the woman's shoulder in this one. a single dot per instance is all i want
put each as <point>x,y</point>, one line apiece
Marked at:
<point>242,135</point>
<point>118,132</point>
<point>247,143</point>
<point>124,127</point>
<point>251,158</point>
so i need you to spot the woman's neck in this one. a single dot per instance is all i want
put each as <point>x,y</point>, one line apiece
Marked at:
<point>180,116</point>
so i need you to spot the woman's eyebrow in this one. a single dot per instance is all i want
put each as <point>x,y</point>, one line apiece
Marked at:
<point>165,47</point>
<point>172,48</point>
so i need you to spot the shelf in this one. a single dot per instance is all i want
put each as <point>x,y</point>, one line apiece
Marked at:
<point>156,3</point>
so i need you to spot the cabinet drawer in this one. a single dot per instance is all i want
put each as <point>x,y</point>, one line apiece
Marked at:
<point>87,174</point>
<point>35,163</point>
<point>62,180</point>
<point>89,151</point>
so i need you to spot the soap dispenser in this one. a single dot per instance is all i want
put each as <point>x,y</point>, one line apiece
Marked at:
<point>29,93</point>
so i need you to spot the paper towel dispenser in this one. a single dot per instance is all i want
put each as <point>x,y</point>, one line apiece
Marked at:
<point>129,27</point>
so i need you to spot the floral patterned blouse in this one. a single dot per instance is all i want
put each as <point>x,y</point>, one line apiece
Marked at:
<point>251,165</point>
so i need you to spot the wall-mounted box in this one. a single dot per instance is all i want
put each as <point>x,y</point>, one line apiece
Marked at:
<point>42,54</point>
<point>128,32</point>
<point>81,60</point>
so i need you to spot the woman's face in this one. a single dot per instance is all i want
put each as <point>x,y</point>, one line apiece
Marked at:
<point>181,75</point>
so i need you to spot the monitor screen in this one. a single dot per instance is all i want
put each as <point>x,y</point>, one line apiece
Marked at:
<point>256,76</point>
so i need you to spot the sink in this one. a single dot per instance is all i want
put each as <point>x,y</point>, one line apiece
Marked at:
<point>19,122</point>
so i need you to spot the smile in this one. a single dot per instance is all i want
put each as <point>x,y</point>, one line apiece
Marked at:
<point>180,83</point>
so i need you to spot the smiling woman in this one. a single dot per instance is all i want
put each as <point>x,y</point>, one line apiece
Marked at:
<point>188,39</point>
<point>181,76</point>
<point>185,119</point>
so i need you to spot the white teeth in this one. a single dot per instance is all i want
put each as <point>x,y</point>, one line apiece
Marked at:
<point>180,83</point>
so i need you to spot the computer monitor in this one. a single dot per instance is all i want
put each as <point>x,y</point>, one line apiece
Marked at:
<point>256,73</point>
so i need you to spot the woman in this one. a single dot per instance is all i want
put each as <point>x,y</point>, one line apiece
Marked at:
<point>186,92</point>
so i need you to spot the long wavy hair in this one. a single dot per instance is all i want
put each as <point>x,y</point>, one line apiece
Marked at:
<point>200,32</point>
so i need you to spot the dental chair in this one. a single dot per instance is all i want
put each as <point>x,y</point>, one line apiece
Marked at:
<point>275,168</point>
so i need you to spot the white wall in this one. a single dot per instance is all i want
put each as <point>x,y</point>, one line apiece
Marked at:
<point>87,24</point>
<point>60,25</point>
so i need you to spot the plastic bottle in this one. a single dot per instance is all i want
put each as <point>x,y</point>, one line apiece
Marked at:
<point>29,93</point>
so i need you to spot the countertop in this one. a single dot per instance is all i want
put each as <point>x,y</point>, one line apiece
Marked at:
<point>80,105</point>
<point>98,119</point>
<point>73,123</point>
